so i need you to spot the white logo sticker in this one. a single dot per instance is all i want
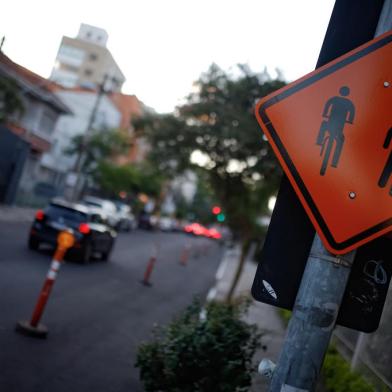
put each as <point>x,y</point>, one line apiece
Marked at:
<point>270,290</point>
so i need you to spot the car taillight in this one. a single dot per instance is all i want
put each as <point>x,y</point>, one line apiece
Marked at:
<point>84,228</point>
<point>39,215</point>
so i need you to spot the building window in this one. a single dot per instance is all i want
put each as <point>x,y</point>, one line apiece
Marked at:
<point>115,83</point>
<point>70,55</point>
<point>65,78</point>
<point>69,68</point>
<point>88,72</point>
<point>47,122</point>
<point>93,56</point>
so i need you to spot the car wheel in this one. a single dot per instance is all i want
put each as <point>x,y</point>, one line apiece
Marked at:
<point>33,243</point>
<point>86,254</point>
<point>105,255</point>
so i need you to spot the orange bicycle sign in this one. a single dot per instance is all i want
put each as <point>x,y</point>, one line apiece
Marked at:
<point>332,133</point>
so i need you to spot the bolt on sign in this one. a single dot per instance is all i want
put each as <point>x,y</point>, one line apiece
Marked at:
<point>332,133</point>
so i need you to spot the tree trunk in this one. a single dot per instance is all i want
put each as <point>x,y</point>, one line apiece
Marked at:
<point>241,262</point>
<point>160,199</point>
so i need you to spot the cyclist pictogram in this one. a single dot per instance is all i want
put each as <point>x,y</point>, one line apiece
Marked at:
<point>338,111</point>
<point>387,171</point>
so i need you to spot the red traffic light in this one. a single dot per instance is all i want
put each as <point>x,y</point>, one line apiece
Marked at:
<point>216,210</point>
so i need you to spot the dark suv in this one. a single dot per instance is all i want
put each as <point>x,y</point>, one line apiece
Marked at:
<point>92,235</point>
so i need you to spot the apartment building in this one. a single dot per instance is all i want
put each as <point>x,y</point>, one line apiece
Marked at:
<point>85,60</point>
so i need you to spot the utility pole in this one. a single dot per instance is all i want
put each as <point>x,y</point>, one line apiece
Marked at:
<point>84,146</point>
<point>320,293</point>
<point>2,43</point>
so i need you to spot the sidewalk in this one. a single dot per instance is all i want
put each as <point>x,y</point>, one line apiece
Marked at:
<point>16,214</point>
<point>265,316</point>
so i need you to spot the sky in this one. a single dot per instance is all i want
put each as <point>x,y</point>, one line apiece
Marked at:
<point>162,47</point>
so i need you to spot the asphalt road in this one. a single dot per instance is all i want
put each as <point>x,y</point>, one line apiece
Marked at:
<point>97,314</point>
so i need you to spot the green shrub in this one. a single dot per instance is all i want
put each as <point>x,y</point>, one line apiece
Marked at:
<point>338,377</point>
<point>208,353</point>
<point>285,315</point>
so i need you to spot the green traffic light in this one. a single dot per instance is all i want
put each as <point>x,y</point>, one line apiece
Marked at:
<point>221,217</point>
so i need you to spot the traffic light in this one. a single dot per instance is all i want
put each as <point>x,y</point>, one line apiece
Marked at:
<point>221,217</point>
<point>216,210</point>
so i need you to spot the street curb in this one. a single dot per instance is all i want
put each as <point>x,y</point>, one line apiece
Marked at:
<point>222,276</point>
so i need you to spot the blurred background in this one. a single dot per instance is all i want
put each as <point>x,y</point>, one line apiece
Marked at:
<point>132,123</point>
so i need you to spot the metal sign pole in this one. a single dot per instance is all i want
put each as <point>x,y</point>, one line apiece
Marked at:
<point>317,303</point>
<point>311,325</point>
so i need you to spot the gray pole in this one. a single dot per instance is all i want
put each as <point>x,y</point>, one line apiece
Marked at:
<point>317,304</point>
<point>81,155</point>
<point>314,315</point>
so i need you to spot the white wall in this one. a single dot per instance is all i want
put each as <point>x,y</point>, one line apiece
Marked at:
<point>68,126</point>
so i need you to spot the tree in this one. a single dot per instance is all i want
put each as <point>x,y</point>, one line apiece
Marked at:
<point>113,179</point>
<point>101,149</point>
<point>100,146</point>
<point>199,209</point>
<point>10,101</point>
<point>133,179</point>
<point>216,130</point>
<point>151,180</point>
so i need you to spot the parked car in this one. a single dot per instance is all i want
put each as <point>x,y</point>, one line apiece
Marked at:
<point>126,220</point>
<point>108,208</point>
<point>166,224</point>
<point>147,221</point>
<point>91,233</point>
